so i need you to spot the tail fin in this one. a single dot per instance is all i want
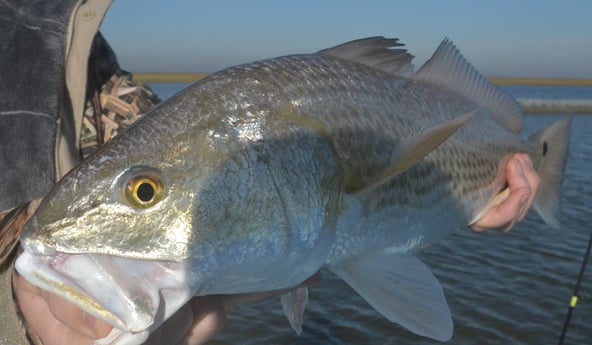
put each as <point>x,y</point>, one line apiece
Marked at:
<point>553,143</point>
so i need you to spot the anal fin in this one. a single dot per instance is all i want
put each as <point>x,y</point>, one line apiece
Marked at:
<point>293,304</point>
<point>401,288</point>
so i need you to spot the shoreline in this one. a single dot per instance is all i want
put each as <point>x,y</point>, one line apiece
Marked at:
<point>167,77</point>
<point>510,81</point>
<point>503,81</point>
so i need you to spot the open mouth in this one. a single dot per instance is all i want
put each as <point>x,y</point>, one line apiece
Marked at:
<point>130,294</point>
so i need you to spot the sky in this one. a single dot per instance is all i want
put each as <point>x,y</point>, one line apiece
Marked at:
<point>502,38</point>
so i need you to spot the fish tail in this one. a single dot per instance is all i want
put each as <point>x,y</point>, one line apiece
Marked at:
<point>553,143</point>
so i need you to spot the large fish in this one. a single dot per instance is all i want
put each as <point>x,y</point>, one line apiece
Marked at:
<point>256,177</point>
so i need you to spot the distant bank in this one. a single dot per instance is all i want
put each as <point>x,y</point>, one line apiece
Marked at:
<point>191,77</point>
<point>168,77</point>
<point>541,81</point>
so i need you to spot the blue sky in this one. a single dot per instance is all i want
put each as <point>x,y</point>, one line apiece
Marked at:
<point>501,38</point>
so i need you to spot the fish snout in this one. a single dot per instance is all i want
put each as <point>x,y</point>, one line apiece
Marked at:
<point>33,241</point>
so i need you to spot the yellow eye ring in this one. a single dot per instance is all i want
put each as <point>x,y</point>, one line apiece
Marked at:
<point>144,191</point>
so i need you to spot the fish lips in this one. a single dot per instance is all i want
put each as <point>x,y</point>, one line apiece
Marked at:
<point>135,296</point>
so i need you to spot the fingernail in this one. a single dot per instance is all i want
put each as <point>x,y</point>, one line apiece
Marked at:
<point>526,165</point>
<point>520,168</point>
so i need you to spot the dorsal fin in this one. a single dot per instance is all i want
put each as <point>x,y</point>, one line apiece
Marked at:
<point>377,52</point>
<point>448,68</point>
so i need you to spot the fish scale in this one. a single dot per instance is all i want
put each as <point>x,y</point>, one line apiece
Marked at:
<point>391,122</point>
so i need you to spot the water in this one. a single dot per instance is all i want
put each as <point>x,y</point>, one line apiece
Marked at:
<point>502,288</point>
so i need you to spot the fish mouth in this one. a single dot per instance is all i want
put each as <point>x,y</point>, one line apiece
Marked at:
<point>130,294</point>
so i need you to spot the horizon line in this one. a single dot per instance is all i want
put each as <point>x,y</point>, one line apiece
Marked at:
<point>182,77</point>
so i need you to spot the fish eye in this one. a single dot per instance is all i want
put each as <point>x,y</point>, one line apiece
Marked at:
<point>144,191</point>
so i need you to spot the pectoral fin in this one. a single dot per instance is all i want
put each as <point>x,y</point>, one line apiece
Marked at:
<point>411,150</point>
<point>403,289</point>
<point>293,304</point>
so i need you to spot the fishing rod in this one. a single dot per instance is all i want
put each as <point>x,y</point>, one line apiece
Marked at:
<point>576,294</point>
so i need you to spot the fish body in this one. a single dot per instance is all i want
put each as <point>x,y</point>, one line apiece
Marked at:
<point>259,175</point>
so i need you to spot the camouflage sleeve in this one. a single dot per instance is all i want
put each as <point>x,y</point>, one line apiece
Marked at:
<point>103,78</point>
<point>45,47</point>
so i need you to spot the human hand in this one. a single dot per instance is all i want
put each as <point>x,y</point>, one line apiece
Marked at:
<point>523,184</point>
<point>56,321</point>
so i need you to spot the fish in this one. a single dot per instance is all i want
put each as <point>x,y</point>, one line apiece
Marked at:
<point>256,177</point>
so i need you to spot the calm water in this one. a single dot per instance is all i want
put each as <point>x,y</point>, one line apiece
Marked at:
<point>509,288</point>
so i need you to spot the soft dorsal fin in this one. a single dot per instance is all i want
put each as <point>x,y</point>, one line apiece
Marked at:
<point>377,52</point>
<point>448,68</point>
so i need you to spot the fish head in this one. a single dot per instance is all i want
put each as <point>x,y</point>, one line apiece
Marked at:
<point>128,212</point>
<point>113,237</point>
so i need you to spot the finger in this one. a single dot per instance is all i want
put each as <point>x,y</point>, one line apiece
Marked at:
<point>174,329</point>
<point>533,181</point>
<point>75,318</point>
<point>523,178</point>
<point>62,311</point>
<point>40,319</point>
<point>208,318</point>
<point>519,185</point>
<point>504,215</point>
<point>523,183</point>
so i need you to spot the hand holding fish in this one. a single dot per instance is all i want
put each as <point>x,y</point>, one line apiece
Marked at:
<point>523,183</point>
<point>55,320</point>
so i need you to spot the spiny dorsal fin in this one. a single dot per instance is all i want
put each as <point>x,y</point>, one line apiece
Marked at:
<point>448,68</point>
<point>376,52</point>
